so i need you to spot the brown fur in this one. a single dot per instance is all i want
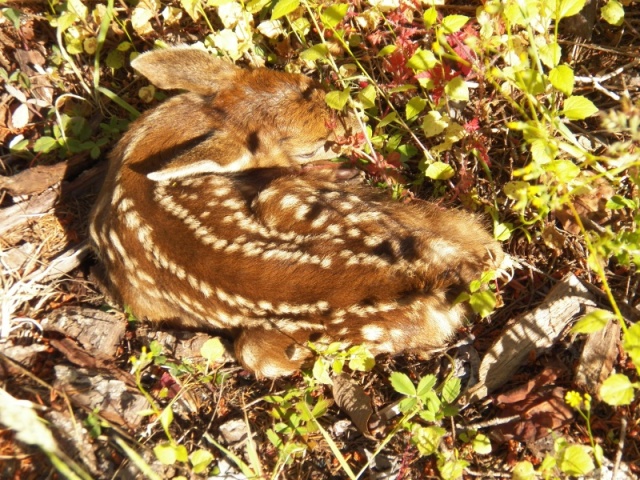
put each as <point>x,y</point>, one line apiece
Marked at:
<point>204,220</point>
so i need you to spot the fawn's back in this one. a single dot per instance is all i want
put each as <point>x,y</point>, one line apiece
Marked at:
<point>206,219</point>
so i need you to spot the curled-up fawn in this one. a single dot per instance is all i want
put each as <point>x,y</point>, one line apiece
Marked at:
<point>207,219</point>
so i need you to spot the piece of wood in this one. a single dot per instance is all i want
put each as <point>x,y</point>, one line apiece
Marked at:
<point>532,332</point>
<point>598,355</point>
<point>21,213</point>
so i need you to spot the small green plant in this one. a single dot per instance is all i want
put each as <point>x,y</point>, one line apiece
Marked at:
<point>425,407</point>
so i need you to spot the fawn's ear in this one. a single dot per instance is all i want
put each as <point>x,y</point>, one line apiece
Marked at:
<point>185,68</point>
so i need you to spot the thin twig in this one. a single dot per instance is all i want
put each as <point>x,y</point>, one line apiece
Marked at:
<point>618,459</point>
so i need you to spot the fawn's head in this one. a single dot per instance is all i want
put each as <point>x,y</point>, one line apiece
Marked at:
<point>230,120</point>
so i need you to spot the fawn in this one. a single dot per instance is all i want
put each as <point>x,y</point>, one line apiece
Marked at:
<point>207,219</point>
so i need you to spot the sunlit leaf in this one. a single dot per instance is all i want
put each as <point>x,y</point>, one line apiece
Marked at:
<point>562,78</point>
<point>401,383</point>
<point>427,439</point>
<point>284,7</point>
<point>422,60</point>
<point>316,52</point>
<point>523,471</point>
<point>430,17</point>
<point>618,202</point>
<point>334,14</point>
<point>367,96</point>
<point>453,23</point>
<point>592,322</point>
<point>451,389</point>
<point>212,350</point>
<point>566,8</point>
<point>576,460</point>
<point>613,13</point>
<point>200,459</point>
<point>434,124</point>
<point>439,171</point>
<point>457,89</point>
<point>631,343</point>
<point>483,302</point>
<point>338,99</point>
<point>415,106</point>
<point>550,54</point>
<point>481,444</point>
<point>617,390</point>
<point>578,107</point>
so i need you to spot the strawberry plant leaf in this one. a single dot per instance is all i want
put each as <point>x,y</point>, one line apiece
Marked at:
<point>401,383</point>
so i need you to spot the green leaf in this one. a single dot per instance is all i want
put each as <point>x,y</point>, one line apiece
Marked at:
<point>567,8</point>
<point>631,343</point>
<point>115,59</point>
<point>592,322</point>
<point>578,107</point>
<point>427,439</point>
<point>434,124</point>
<point>200,459</point>
<point>401,383</point>
<point>166,417</point>
<point>439,171</point>
<point>321,371</point>
<point>363,362</point>
<point>422,60</point>
<point>576,460</point>
<point>367,96</point>
<point>337,99</point>
<point>166,453</point>
<point>430,17</point>
<point>284,7</point>
<point>613,13</point>
<point>457,89</point>
<point>617,390</point>
<point>317,52</point>
<point>388,50</point>
<point>45,145</point>
<point>387,119</point>
<point>550,54</point>
<point>564,170</point>
<point>523,471</point>
<point>451,389</point>
<point>562,78</point>
<point>77,7</point>
<point>426,384</point>
<point>481,444</point>
<point>453,23</point>
<point>13,16</point>
<point>618,202</point>
<point>66,20</point>
<point>531,81</point>
<point>212,350</point>
<point>333,15</point>
<point>502,231</point>
<point>415,106</point>
<point>483,302</point>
